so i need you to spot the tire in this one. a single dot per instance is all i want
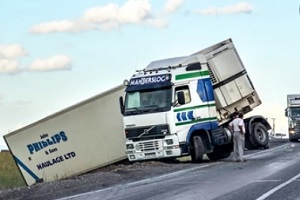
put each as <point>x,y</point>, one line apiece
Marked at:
<point>197,150</point>
<point>260,134</point>
<point>249,143</point>
<point>220,152</point>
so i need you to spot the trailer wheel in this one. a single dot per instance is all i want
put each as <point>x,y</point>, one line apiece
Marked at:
<point>220,152</point>
<point>197,149</point>
<point>260,134</point>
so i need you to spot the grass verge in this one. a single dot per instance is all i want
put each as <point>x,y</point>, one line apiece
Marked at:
<point>10,176</point>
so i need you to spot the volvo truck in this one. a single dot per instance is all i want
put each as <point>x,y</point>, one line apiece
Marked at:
<point>292,112</point>
<point>182,106</point>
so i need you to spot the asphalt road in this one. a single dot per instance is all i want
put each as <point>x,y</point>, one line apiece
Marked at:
<point>268,174</point>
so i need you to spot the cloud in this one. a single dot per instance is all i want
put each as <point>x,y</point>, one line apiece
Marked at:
<point>110,16</point>
<point>161,23</point>
<point>9,67</point>
<point>172,5</point>
<point>12,51</point>
<point>239,8</point>
<point>9,53</point>
<point>53,27</point>
<point>56,63</point>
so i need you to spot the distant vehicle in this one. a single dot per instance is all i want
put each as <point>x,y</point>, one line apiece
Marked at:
<point>182,106</point>
<point>292,112</point>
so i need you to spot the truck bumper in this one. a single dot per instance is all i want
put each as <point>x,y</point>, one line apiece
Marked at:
<point>294,136</point>
<point>153,149</point>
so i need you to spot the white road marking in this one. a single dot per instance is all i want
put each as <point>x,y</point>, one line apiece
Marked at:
<point>269,193</point>
<point>265,180</point>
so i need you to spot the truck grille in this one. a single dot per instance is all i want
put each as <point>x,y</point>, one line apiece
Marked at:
<point>139,133</point>
<point>297,127</point>
<point>149,146</point>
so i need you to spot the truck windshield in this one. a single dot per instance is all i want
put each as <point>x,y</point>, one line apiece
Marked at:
<point>295,112</point>
<point>148,101</point>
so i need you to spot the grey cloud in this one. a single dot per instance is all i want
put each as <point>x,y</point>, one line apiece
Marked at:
<point>240,8</point>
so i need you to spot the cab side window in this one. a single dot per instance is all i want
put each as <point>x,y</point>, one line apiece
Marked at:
<point>185,89</point>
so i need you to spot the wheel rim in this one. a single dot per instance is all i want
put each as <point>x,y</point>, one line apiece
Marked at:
<point>260,134</point>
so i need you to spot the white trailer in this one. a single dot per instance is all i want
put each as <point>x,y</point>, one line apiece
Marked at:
<point>78,139</point>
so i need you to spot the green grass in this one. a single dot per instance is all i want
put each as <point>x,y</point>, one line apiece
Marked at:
<point>10,176</point>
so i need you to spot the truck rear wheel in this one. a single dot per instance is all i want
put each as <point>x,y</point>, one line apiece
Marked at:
<point>258,137</point>
<point>249,143</point>
<point>197,149</point>
<point>260,134</point>
<point>220,152</point>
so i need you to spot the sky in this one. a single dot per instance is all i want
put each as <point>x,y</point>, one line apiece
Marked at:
<point>54,54</point>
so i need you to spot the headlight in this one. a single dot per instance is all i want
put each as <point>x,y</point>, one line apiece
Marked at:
<point>129,146</point>
<point>137,147</point>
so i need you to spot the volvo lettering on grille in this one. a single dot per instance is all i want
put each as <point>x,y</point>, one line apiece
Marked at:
<point>146,131</point>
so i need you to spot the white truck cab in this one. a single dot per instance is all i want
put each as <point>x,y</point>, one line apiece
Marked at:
<point>182,106</point>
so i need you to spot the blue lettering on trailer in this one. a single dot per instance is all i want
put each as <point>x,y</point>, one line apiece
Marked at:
<point>56,160</point>
<point>21,164</point>
<point>55,139</point>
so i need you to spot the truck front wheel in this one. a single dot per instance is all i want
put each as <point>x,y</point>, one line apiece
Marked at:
<point>197,150</point>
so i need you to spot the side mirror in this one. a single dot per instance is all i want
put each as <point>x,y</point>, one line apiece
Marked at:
<point>286,112</point>
<point>121,102</point>
<point>181,98</point>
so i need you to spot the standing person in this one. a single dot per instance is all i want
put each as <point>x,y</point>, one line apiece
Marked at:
<point>238,128</point>
<point>234,115</point>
